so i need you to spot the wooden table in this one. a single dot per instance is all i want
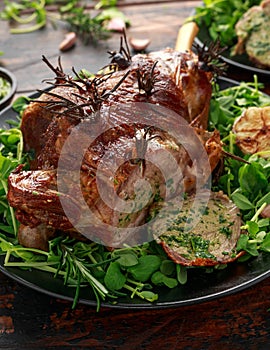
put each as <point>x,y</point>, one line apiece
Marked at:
<point>29,319</point>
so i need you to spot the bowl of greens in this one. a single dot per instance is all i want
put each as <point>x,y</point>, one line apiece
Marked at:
<point>216,20</point>
<point>8,86</point>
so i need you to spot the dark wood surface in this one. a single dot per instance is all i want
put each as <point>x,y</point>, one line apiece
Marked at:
<point>32,320</point>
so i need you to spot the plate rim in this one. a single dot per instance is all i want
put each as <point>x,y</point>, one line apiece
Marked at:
<point>140,305</point>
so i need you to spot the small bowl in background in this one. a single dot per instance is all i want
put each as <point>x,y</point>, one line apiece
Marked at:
<point>7,75</point>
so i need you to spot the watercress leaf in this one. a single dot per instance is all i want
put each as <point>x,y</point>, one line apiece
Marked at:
<point>13,138</point>
<point>25,254</point>
<point>252,228</point>
<point>148,295</point>
<point>241,201</point>
<point>167,267</point>
<point>252,248</point>
<point>242,242</point>
<point>159,278</point>
<point>263,222</point>
<point>260,236</point>
<point>69,6</point>
<point>111,13</point>
<point>20,104</point>
<point>264,199</point>
<point>181,273</point>
<point>225,180</point>
<point>5,245</point>
<point>265,245</point>
<point>6,228</point>
<point>252,178</point>
<point>215,112</point>
<point>53,257</point>
<point>125,258</point>
<point>147,265</point>
<point>244,258</point>
<point>114,278</point>
<point>105,3</point>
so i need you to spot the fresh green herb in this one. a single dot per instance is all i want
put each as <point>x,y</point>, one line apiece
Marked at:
<point>89,28</point>
<point>227,105</point>
<point>220,17</point>
<point>11,155</point>
<point>248,185</point>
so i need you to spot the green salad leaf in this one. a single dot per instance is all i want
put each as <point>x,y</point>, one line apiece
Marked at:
<point>220,17</point>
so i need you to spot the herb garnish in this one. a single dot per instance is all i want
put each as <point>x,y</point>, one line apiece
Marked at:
<point>220,17</point>
<point>248,184</point>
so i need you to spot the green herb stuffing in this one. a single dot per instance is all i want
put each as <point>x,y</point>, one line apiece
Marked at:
<point>136,271</point>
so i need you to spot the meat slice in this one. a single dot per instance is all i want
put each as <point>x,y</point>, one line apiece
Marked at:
<point>253,34</point>
<point>203,232</point>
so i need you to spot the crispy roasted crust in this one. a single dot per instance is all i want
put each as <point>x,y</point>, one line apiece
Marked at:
<point>167,78</point>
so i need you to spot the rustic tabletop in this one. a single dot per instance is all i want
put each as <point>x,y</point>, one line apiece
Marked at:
<point>30,319</point>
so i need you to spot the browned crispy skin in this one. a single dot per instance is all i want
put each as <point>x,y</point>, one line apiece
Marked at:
<point>177,84</point>
<point>167,78</point>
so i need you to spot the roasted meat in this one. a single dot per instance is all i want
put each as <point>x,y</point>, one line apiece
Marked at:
<point>99,140</point>
<point>253,34</point>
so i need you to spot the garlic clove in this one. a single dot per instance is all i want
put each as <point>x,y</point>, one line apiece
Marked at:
<point>139,44</point>
<point>116,24</point>
<point>68,42</point>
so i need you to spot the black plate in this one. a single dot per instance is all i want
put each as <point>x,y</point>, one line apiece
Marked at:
<point>237,62</point>
<point>200,287</point>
